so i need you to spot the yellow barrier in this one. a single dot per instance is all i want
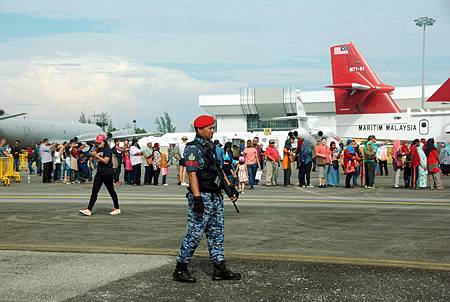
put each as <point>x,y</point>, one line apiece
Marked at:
<point>7,170</point>
<point>23,159</point>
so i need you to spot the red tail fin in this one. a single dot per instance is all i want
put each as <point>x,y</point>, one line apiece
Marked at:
<point>442,94</point>
<point>357,90</point>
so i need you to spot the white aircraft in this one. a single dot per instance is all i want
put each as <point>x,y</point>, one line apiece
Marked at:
<point>32,131</point>
<point>310,127</point>
<point>365,107</point>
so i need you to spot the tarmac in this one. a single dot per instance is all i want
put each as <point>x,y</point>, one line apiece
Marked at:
<point>290,244</point>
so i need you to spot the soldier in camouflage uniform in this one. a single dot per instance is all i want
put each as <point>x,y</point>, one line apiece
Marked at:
<point>205,213</point>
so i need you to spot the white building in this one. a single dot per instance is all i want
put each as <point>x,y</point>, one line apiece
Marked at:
<point>252,109</point>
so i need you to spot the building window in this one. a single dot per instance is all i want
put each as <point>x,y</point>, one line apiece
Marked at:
<point>255,124</point>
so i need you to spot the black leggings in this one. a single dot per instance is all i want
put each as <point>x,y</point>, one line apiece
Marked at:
<point>106,179</point>
<point>156,176</point>
<point>304,173</point>
<point>348,178</point>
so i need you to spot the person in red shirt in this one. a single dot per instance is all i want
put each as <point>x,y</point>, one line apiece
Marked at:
<point>323,160</point>
<point>272,158</point>
<point>434,173</point>
<point>415,163</point>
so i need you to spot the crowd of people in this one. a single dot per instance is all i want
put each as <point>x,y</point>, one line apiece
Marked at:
<point>73,161</point>
<point>421,162</point>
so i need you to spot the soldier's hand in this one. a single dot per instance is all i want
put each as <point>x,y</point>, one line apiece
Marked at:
<point>199,206</point>
<point>232,193</point>
<point>235,194</point>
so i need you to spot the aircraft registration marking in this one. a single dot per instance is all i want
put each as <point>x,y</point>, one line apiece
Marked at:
<point>356,68</point>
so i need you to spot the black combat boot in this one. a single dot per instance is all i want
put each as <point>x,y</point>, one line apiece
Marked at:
<point>181,274</point>
<point>222,273</point>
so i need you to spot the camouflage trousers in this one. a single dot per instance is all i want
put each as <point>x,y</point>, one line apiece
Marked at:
<point>211,223</point>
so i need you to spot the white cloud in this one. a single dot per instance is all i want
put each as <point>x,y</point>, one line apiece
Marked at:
<point>61,87</point>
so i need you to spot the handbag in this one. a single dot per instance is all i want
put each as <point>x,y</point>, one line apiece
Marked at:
<point>321,161</point>
<point>258,174</point>
<point>335,164</point>
<point>292,158</point>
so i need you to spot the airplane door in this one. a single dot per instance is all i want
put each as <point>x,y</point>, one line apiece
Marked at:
<point>424,127</point>
<point>26,131</point>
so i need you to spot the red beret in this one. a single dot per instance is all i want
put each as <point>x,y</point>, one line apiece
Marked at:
<point>203,121</point>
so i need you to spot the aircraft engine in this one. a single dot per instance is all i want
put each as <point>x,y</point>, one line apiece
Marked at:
<point>317,133</point>
<point>2,112</point>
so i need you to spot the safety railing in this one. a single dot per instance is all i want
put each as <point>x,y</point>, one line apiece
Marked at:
<point>7,171</point>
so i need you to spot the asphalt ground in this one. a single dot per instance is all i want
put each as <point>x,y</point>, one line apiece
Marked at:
<point>291,244</point>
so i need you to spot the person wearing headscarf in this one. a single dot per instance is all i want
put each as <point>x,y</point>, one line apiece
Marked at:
<point>414,163</point>
<point>423,171</point>
<point>358,161</point>
<point>406,156</point>
<point>434,173</point>
<point>397,162</point>
<point>444,158</point>
<point>333,169</point>
<point>156,164</point>
<point>424,142</point>
<point>287,160</point>
<point>350,159</point>
<point>304,164</point>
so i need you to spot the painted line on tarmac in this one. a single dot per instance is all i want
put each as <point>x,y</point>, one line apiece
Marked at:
<point>390,263</point>
<point>176,198</point>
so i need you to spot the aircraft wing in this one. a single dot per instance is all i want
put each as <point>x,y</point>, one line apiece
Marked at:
<point>111,136</point>
<point>132,136</point>
<point>11,116</point>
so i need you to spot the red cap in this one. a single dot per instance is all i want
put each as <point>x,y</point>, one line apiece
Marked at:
<point>100,138</point>
<point>203,121</point>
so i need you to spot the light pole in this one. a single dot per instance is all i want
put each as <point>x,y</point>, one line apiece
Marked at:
<point>423,22</point>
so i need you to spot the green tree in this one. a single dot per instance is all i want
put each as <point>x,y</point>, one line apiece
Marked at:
<point>164,124</point>
<point>102,119</point>
<point>140,131</point>
<point>84,119</point>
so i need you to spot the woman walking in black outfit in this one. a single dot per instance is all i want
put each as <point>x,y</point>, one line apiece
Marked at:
<point>104,175</point>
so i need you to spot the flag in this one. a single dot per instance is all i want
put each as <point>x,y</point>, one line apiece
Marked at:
<point>341,50</point>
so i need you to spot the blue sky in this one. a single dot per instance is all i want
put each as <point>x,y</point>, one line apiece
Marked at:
<point>137,59</point>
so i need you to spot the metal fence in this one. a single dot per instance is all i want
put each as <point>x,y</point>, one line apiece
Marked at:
<point>7,171</point>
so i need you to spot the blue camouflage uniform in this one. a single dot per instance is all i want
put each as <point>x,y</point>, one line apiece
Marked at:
<point>212,220</point>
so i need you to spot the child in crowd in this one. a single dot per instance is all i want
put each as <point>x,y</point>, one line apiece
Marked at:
<point>242,173</point>
<point>128,167</point>
<point>228,169</point>
<point>407,171</point>
<point>164,168</point>
<point>67,172</point>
